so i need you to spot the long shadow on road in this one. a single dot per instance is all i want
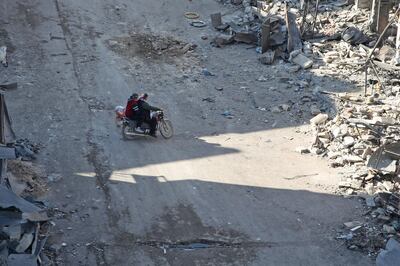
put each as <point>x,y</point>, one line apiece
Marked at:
<point>191,222</point>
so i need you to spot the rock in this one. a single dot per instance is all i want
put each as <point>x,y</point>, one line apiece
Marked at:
<point>315,110</point>
<point>302,150</point>
<point>317,151</point>
<point>389,229</point>
<point>352,224</point>
<point>368,151</point>
<point>276,109</point>
<point>206,72</point>
<point>222,40</point>
<point>293,69</point>
<point>352,159</point>
<point>262,79</point>
<point>24,242</point>
<point>236,2</point>
<point>389,186</point>
<point>370,201</point>
<point>268,58</point>
<point>285,107</point>
<point>348,141</point>
<point>319,119</point>
<point>300,59</point>
<point>391,168</point>
<point>204,37</point>
<point>54,177</point>
<point>334,155</point>
<point>335,130</point>
<point>384,120</point>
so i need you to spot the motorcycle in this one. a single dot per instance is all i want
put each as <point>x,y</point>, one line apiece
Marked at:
<point>163,125</point>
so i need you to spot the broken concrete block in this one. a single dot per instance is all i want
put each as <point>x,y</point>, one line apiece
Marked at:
<point>352,159</point>
<point>384,120</point>
<point>246,37</point>
<point>302,150</point>
<point>267,58</point>
<point>315,110</point>
<point>300,59</point>
<point>352,224</point>
<point>348,141</point>
<point>24,242</point>
<point>390,168</point>
<point>389,256</point>
<point>363,3</point>
<point>319,119</point>
<point>216,20</point>
<point>389,229</point>
<point>370,201</point>
<point>276,109</point>
<point>368,151</point>
<point>222,40</point>
<point>334,155</point>
<point>236,2</point>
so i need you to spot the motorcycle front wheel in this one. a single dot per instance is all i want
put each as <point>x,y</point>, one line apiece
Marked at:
<point>166,129</point>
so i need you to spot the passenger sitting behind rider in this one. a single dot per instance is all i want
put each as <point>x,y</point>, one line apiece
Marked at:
<point>144,113</point>
<point>132,107</point>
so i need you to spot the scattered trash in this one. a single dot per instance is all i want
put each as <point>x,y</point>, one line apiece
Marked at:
<point>228,114</point>
<point>208,99</point>
<point>207,73</point>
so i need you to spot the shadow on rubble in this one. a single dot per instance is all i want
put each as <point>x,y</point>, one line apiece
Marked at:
<point>200,222</point>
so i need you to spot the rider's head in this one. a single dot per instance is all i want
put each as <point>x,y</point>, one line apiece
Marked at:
<point>145,96</point>
<point>135,96</point>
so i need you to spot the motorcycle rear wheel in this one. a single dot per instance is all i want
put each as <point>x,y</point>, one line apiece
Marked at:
<point>166,128</point>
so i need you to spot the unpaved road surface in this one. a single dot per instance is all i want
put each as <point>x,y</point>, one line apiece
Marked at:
<point>223,191</point>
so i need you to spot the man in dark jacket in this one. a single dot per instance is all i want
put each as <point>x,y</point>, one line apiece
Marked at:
<point>144,110</point>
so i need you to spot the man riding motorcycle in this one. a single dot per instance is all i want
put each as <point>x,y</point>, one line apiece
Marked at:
<point>145,113</point>
<point>132,110</point>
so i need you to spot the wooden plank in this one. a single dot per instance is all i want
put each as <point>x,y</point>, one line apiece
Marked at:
<point>294,37</point>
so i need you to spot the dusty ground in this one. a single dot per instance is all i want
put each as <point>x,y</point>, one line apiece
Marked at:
<point>222,191</point>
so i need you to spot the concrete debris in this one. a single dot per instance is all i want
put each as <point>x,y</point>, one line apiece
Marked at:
<point>20,222</point>
<point>336,33</point>
<point>267,58</point>
<point>319,119</point>
<point>300,59</point>
<point>24,224</point>
<point>391,255</point>
<point>216,20</point>
<point>222,40</point>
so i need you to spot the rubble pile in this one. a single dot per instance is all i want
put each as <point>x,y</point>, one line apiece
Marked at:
<point>336,35</point>
<point>381,223</point>
<point>364,135</point>
<point>23,230</point>
<point>363,138</point>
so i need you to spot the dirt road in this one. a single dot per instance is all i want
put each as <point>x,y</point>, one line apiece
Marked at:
<point>226,190</point>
